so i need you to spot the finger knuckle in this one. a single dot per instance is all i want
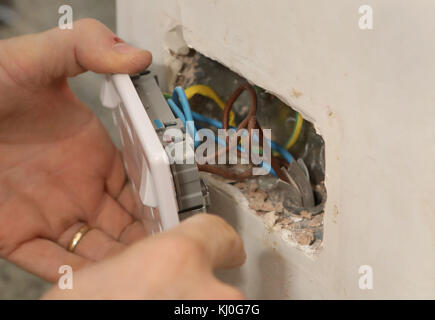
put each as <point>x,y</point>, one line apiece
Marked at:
<point>187,246</point>
<point>182,251</point>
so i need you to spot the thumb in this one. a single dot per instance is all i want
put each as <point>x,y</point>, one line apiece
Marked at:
<point>57,53</point>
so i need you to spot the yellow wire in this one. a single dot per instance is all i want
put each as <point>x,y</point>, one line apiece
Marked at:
<point>208,92</point>
<point>297,132</point>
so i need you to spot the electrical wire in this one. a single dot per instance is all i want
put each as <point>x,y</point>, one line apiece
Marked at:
<point>208,92</point>
<point>217,139</point>
<point>296,132</point>
<point>179,97</point>
<point>249,123</point>
<point>293,137</point>
<point>217,124</point>
<point>209,121</point>
<point>176,110</point>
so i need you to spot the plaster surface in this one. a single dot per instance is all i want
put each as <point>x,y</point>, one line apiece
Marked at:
<point>369,94</point>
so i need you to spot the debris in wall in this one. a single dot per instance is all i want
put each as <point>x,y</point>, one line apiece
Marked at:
<point>295,211</point>
<point>305,227</point>
<point>189,69</point>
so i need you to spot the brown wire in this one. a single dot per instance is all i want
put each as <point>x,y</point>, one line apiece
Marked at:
<point>249,122</point>
<point>243,125</point>
<point>230,103</point>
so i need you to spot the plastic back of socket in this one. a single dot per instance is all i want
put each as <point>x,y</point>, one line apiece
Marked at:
<point>145,159</point>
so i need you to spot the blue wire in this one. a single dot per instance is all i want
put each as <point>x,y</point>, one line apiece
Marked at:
<point>285,154</point>
<point>176,110</point>
<point>214,123</point>
<point>204,119</point>
<point>268,168</point>
<point>188,116</point>
<point>218,124</point>
<point>275,146</point>
<point>179,96</point>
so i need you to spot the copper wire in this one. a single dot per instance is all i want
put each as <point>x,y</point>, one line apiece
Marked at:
<point>249,122</point>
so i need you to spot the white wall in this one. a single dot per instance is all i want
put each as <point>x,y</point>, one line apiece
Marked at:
<point>369,94</point>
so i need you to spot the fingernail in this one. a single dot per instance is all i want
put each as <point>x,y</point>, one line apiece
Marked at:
<point>123,47</point>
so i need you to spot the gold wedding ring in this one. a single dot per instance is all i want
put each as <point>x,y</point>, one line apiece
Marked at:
<point>77,237</point>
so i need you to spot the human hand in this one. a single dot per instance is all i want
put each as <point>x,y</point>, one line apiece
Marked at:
<point>58,168</point>
<point>177,264</point>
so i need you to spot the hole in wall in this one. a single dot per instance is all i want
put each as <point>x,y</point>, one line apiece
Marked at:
<point>281,206</point>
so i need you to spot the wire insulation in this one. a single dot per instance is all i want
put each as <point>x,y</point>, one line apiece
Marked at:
<point>296,132</point>
<point>208,92</point>
<point>180,97</point>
